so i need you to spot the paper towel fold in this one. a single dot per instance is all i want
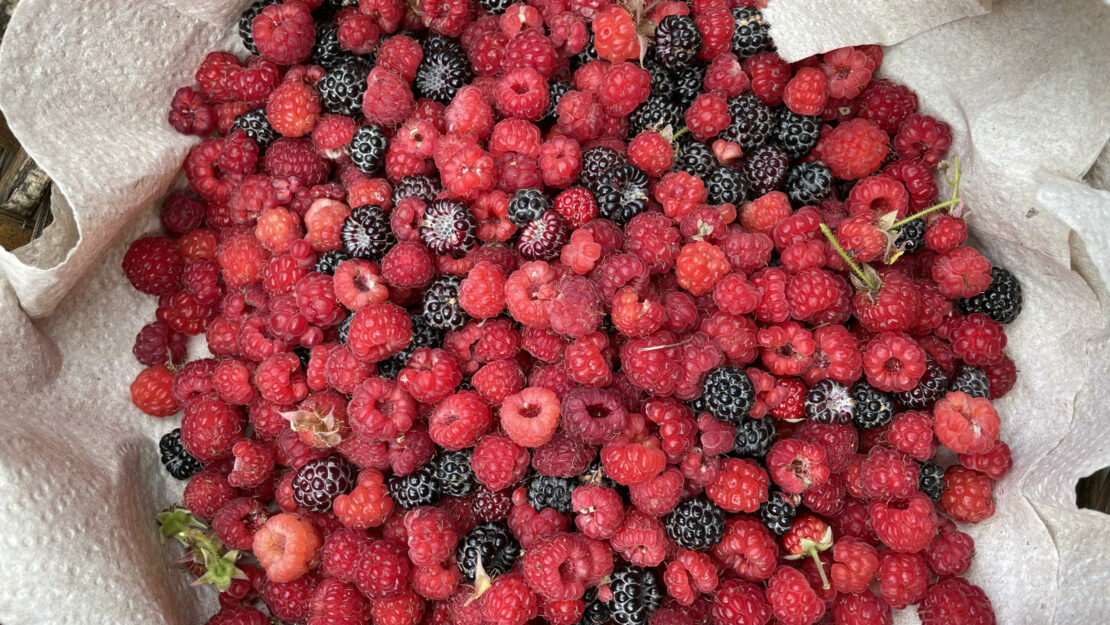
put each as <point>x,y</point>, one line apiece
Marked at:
<point>85,87</point>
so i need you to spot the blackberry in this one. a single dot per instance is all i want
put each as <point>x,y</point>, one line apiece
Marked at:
<point>931,480</point>
<point>328,261</point>
<point>696,159</point>
<point>687,87</point>
<point>453,474</point>
<point>754,437</point>
<point>597,163</point>
<point>444,70</point>
<point>661,81</point>
<point>874,408</point>
<point>795,134</point>
<point>1001,301</point>
<point>677,42</point>
<point>342,88</point>
<point>246,23</point>
<point>636,595</point>
<point>806,184</point>
<point>424,187</point>
<point>328,8</point>
<point>257,127</point>
<point>542,238</point>
<point>930,388</point>
<point>911,236</point>
<point>729,393</point>
<point>777,513</point>
<point>971,380</point>
<point>448,227</point>
<point>829,401</point>
<point>695,524</point>
<point>555,91</point>
<point>528,205</point>
<point>596,612</point>
<point>344,329</point>
<point>749,37</point>
<point>419,488</point>
<point>545,491</point>
<point>726,185</point>
<point>493,544</point>
<point>319,482</point>
<point>327,51</point>
<point>305,355</point>
<point>625,196</point>
<point>588,53</point>
<point>366,233</point>
<point>441,304</point>
<point>495,7</point>
<point>368,148</point>
<point>765,169</point>
<point>655,113</point>
<point>752,122</point>
<point>177,461</point>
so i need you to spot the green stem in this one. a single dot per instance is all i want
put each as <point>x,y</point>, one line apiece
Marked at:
<point>678,134</point>
<point>848,259</point>
<point>925,212</point>
<point>955,180</point>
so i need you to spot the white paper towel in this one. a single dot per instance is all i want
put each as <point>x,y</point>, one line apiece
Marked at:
<point>85,87</point>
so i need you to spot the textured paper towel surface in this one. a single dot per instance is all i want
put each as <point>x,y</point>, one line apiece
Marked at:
<point>78,540</point>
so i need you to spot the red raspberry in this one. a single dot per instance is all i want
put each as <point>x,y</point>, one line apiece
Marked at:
<point>653,363</point>
<point>284,33</point>
<point>894,307</point>
<point>786,349</point>
<point>807,92</point>
<point>577,310</point>
<point>625,86</point>
<point>285,546</point>
<point>747,548</point>
<point>887,104</point>
<point>401,54</point>
<point>856,563</point>
<point>848,70</point>
<point>181,214</point>
<point>404,609</point>
<point>556,566</point>
<point>699,266</point>
<point>358,32</point>
<point>650,152</point>
<point>716,26</point>
<point>522,93</point>
<point>979,340</point>
<point>210,427</point>
<point>531,416</point>
<point>854,149</point>
<point>946,233</point>
<point>793,601</point>
<point>907,526</point>
<point>641,539</point>
<point>955,601</point>
<point>996,462</point>
<point>191,113</point>
<point>527,292</point>
<point>688,575</point>
<point>707,116</point>
<point>923,137</point>
<point>278,229</point>
<point>295,158</point>
<point>579,115</point>
<point>893,362</point>
<point>334,601</point>
<point>408,265</point>
<point>903,578</point>
<point>615,35</point>
<point>388,100</point>
<point>206,493</point>
<point>811,291</point>
<point>238,615</point>
<point>1002,375</point>
<point>878,195</point>
<point>861,609</point>
<point>599,511</point>
<point>965,424</point>
<point>289,600</point>
<point>961,272</point>
<point>773,304</point>
<point>560,161</point>
<point>740,486</point>
<point>367,505</point>
<point>861,238</point>
<point>581,252</point>
<point>531,49</point>
<point>912,433</point>
<point>237,521</point>
<point>152,391</point>
<point>509,601</point>
<point>293,108</point>
<point>430,535</point>
<point>157,343</point>
<point>430,375</point>
<point>333,132</point>
<point>658,495</point>
<point>254,462</point>
<point>214,75</point>
<point>919,181</point>
<point>563,456</point>
<point>769,74</point>
<point>888,474</point>
<point>740,603</point>
<point>762,213</point>
<point>487,52</point>
<point>796,465</point>
<point>153,265</point>
<point>724,76</point>
<point>383,570</point>
<point>967,495</point>
<point>950,551</point>
<point>379,331</point>
<point>341,552</point>
<point>460,420</point>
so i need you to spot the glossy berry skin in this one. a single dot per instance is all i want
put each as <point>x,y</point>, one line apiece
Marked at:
<point>175,459</point>
<point>695,524</point>
<point>728,392</point>
<point>491,543</point>
<point>636,595</point>
<point>319,482</point>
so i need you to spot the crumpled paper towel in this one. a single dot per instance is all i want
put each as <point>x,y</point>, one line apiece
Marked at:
<point>85,87</point>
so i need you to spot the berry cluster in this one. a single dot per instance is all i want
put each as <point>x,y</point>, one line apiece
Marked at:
<point>569,312</point>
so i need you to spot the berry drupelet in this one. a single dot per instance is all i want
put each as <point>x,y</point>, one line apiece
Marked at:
<point>528,205</point>
<point>444,70</point>
<point>729,393</point>
<point>765,169</point>
<point>688,85</point>
<point>625,195</point>
<point>441,304</point>
<point>971,380</point>
<point>677,42</point>
<point>419,488</point>
<point>319,482</point>
<point>368,148</point>
<point>795,134</point>
<point>328,261</point>
<point>636,595</point>
<point>829,401</point>
<point>656,113</point>
<point>749,37</point>
<point>448,227</point>
<point>696,159</point>
<point>726,185</point>
<point>424,187</point>
<point>596,611</point>
<point>342,88</point>
<point>598,163</point>
<point>752,122</point>
<point>930,388</point>
<point>931,480</point>
<point>246,23</point>
<point>911,236</point>
<point>177,461</point>
<point>777,513</point>
<point>366,233</point>
<point>493,545</point>
<point>1001,300</point>
<point>874,408</point>
<point>806,184</point>
<point>545,491</point>
<point>257,127</point>
<point>453,474</point>
<point>327,52</point>
<point>695,524</point>
<point>754,437</point>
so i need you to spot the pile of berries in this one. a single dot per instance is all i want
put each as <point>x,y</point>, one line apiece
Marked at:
<point>569,312</point>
